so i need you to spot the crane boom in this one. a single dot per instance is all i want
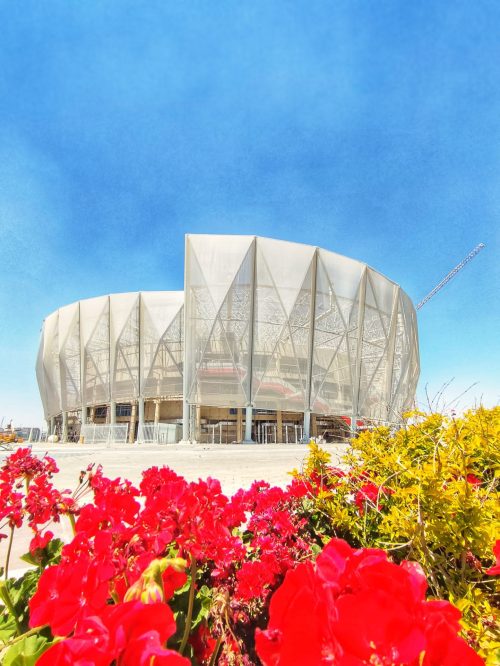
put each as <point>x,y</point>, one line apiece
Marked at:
<point>451,275</point>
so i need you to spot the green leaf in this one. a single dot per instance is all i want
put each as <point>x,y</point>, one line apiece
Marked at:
<point>26,651</point>
<point>20,591</point>
<point>202,604</point>
<point>7,627</point>
<point>51,554</point>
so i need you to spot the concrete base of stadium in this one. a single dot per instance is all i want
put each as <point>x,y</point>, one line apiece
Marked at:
<point>208,425</point>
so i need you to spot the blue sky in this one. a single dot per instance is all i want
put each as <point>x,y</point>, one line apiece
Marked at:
<point>368,128</point>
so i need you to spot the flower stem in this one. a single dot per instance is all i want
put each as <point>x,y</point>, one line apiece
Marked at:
<point>9,548</point>
<point>4,593</point>
<point>215,653</point>
<point>189,615</point>
<point>30,632</point>
<point>72,521</point>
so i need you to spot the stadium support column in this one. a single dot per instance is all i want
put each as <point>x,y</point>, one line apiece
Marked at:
<point>64,434</point>
<point>83,409</point>
<point>239,425</point>
<point>359,352</point>
<point>279,426</point>
<point>133,420</point>
<point>307,425</point>
<point>52,425</point>
<point>391,349</point>
<point>306,436</point>
<point>140,429</point>
<point>314,425</point>
<point>248,425</point>
<point>196,433</point>
<point>112,413</point>
<point>185,380</point>
<point>249,408</point>
<point>157,412</point>
<point>185,421</point>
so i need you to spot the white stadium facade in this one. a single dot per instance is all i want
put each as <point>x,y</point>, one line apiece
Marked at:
<point>270,341</point>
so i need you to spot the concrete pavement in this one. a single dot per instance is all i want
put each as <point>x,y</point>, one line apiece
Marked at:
<point>235,465</point>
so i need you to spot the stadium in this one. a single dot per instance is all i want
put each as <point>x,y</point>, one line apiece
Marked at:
<point>270,341</point>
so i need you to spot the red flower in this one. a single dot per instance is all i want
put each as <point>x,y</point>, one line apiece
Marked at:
<point>67,593</point>
<point>138,633</point>
<point>172,580</point>
<point>44,502</point>
<point>495,570</point>
<point>115,498</point>
<point>89,646</point>
<point>130,634</point>
<point>473,480</point>
<point>370,494</point>
<point>354,607</point>
<point>299,630</point>
<point>40,541</point>
<point>23,464</point>
<point>203,643</point>
<point>444,647</point>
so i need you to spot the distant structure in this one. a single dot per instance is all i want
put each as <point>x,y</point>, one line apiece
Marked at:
<point>269,341</point>
<point>451,275</point>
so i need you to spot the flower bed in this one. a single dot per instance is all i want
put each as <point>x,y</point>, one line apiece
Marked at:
<point>338,568</point>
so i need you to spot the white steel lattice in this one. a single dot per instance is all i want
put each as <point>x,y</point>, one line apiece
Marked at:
<point>266,323</point>
<point>251,339</point>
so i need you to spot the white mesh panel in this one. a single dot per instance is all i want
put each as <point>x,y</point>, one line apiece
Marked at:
<point>69,356</point>
<point>51,364</point>
<point>365,355</point>
<point>124,346</point>
<point>219,273</point>
<point>282,325</point>
<point>40,376</point>
<point>365,348</point>
<point>374,397</point>
<point>331,389</point>
<point>162,343</point>
<point>336,334</point>
<point>94,331</point>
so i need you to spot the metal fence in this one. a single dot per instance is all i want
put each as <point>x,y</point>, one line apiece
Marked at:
<point>94,433</point>
<point>159,433</point>
<point>292,433</point>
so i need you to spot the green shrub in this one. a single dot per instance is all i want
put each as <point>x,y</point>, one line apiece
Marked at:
<point>428,492</point>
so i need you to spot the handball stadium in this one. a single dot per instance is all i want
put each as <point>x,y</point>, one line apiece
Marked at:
<point>270,341</point>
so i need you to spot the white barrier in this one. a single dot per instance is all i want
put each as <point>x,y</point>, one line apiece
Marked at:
<point>96,433</point>
<point>159,433</point>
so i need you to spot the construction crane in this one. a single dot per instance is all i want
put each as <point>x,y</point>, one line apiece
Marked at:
<point>451,275</point>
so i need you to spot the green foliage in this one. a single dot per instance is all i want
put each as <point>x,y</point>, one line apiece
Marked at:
<point>15,594</point>
<point>428,492</point>
<point>202,602</point>
<point>26,651</point>
<point>20,648</point>
<point>44,557</point>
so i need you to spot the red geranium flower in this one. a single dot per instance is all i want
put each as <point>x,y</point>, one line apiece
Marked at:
<point>39,541</point>
<point>129,634</point>
<point>203,643</point>
<point>370,493</point>
<point>68,592</point>
<point>354,607</point>
<point>495,570</point>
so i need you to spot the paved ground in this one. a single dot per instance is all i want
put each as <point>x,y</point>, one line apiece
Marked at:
<point>235,465</point>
